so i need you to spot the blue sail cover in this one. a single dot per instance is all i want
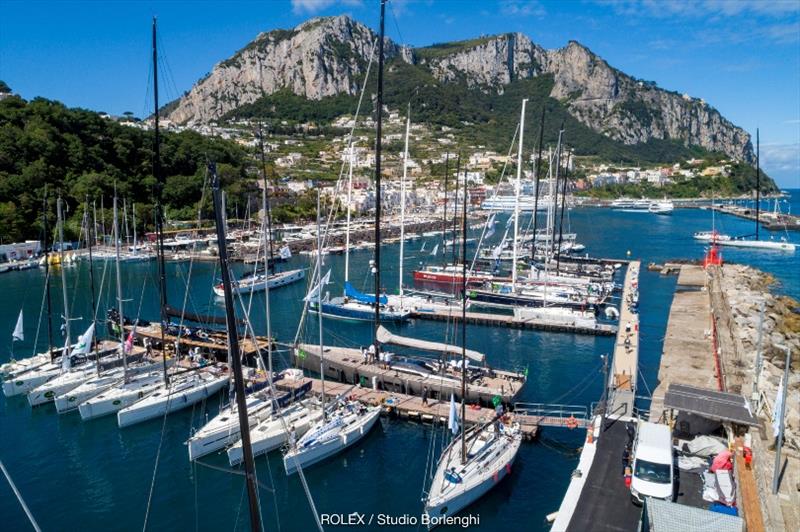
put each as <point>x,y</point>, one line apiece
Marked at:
<point>352,293</point>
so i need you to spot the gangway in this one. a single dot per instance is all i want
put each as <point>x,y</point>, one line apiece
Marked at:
<point>552,415</point>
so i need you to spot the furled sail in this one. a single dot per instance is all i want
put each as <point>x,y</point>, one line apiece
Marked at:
<point>385,337</point>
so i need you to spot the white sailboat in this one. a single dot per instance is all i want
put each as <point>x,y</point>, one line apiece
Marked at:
<point>122,395</point>
<point>182,391</point>
<point>476,460</point>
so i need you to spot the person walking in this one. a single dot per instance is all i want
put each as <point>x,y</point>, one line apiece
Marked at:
<point>425,395</point>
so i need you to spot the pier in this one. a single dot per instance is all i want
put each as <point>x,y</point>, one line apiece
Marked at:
<point>410,406</point>
<point>503,320</point>
<point>769,220</point>
<point>625,362</point>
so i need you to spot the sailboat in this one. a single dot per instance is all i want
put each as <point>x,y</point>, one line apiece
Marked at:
<point>346,422</point>
<point>268,278</point>
<point>776,245</point>
<point>477,459</point>
<point>223,429</point>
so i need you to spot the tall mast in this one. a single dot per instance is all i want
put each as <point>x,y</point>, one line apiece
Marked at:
<point>557,160</point>
<point>455,213</point>
<point>267,253</point>
<point>463,321</point>
<point>89,238</point>
<point>758,186</point>
<point>349,206</point>
<point>378,138</point>
<point>135,244</point>
<point>265,199</point>
<point>47,275</point>
<point>162,275</point>
<point>119,292</point>
<point>444,216</point>
<point>516,197</point>
<point>125,221</point>
<point>537,171</point>
<point>403,203</point>
<point>235,359</point>
<point>563,204</point>
<point>319,307</point>
<point>65,362</point>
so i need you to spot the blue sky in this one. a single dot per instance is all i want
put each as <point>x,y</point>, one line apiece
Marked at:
<point>741,56</point>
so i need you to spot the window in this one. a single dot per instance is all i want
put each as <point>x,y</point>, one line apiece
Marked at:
<point>653,472</point>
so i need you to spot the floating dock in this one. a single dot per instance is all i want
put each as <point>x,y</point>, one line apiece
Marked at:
<point>502,320</point>
<point>410,406</point>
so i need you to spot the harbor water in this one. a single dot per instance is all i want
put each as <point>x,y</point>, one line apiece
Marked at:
<point>93,475</point>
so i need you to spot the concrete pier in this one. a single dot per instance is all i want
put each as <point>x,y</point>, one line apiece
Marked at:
<point>625,364</point>
<point>503,320</point>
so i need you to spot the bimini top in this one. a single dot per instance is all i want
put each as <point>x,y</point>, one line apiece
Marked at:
<point>352,293</point>
<point>710,404</point>
<point>385,337</point>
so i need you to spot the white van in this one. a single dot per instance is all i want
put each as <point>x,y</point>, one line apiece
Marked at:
<point>653,474</point>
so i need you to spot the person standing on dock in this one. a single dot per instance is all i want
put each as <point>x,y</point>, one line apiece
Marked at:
<point>425,395</point>
<point>371,353</point>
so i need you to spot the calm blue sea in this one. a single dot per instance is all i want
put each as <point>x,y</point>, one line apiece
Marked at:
<point>92,476</point>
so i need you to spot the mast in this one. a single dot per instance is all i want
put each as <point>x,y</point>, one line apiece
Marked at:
<point>403,203</point>
<point>349,207</point>
<point>561,220</point>
<point>265,200</point>
<point>162,275</point>
<point>516,197</point>
<point>234,358</point>
<point>444,216</point>
<point>455,213</point>
<point>89,237</point>
<point>319,308</point>
<point>378,138</point>
<point>135,244</point>
<point>65,362</point>
<point>125,221</point>
<point>267,257</point>
<point>119,293</point>
<point>47,275</point>
<point>463,322</point>
<point>557,159</point>
<point>758,185</point>
<point>537,172</point>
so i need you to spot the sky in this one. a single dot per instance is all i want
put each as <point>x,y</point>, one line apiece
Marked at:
<point>741,56</point>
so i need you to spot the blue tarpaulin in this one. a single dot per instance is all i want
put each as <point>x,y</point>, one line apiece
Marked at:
<point>352,293</point>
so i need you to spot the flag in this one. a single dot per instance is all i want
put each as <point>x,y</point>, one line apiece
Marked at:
<point>777,411</point>
<point>84,343</point>
<point>435,250</point>
<point>301,355</point>
<point>496,400</point>
<point>509,221</point>
<point>129,342</point>
<point>498,250</point>
<point>314,293</point>
<point>452,421</point>
<point>66,363</point>
<point>18,334</point>
<point>285,253</point>
<point>489,227</point>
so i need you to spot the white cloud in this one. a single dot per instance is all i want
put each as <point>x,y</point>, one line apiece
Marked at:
<point>310,7</point>
<point>522,8</point>
<point>781,157</point>
<point>703,8</point>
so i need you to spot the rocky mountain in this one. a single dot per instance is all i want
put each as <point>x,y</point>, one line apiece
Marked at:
<point>326,57</point>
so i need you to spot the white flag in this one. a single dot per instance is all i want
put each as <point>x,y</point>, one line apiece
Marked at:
<point>285,253</point>
<point>489,227</point>
<point>66,362</point>
<point>314,293</point>
<point>435,250</point>
<point>84,344</point>
<point>498,250</point>
<point>777,411</point>
<point>18,332</point>
<point>452,421</point>
<point>509,221</point>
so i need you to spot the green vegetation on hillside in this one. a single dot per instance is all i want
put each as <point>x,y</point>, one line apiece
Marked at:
<point>79,153</point>
<point>284,104</point>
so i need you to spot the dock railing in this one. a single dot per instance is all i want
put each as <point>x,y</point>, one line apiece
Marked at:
<point>554,415</point>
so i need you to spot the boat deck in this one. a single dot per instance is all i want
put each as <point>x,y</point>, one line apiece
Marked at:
<point>347,365</point>
<point>502,320</point>
<point>407,406</point>
<point>605,501</point>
